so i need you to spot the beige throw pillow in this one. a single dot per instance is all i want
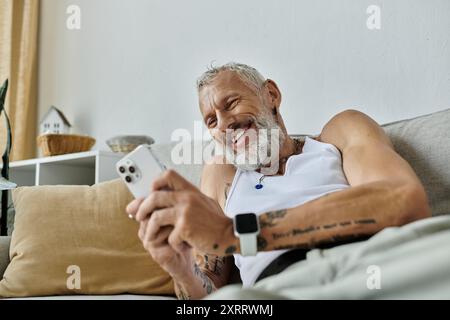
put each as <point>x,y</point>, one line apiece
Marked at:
<point>77,240</point>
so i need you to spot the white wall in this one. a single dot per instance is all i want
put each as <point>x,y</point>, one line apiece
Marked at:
<point>131,69</point>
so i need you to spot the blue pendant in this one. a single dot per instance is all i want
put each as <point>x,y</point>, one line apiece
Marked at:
<point>259,186</point>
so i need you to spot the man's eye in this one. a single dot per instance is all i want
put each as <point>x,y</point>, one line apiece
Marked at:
<point>211,122</point>
<point>232,105</point>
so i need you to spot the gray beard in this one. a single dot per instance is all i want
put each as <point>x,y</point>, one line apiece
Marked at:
<point>263,150</point>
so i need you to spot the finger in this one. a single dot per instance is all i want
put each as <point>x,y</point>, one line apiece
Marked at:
<point>156,200</point>
<point>176,241</point>
<point>171,180</point>
<point>133,207</point>
<point>161,239</point>
<point>142,228</point>
<point>159,219</point>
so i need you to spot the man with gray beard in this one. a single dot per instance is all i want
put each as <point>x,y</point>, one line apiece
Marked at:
<point>262,142</point>
<point>273,198</point>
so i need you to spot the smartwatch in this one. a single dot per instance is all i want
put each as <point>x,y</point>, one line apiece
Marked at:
<point>246,228</point>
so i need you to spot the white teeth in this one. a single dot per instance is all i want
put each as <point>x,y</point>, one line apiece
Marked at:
<point>238,136</point>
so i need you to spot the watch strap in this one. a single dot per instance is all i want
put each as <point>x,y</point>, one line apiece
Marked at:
<point>248,243</point>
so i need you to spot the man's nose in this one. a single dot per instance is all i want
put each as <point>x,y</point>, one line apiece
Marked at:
<point>228,123</point>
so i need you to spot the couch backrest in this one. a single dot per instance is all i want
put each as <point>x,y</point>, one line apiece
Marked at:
<point>191,172</point>
<point>423,141</point>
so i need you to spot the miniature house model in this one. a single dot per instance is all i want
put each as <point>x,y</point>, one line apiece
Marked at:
<point>54,121</point>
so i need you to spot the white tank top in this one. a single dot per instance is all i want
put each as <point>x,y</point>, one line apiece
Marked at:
<point>309,175</point>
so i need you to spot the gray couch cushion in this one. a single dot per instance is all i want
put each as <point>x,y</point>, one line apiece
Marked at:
<point>425,143</point>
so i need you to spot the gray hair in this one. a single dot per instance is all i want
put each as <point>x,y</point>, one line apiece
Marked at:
<point>248,74</point>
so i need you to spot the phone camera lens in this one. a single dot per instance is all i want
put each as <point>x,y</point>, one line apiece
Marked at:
<point>122,169</point>
<point>128,179</point>
<point>132,169</point>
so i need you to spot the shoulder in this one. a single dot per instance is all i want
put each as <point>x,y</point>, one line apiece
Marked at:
<point>352,127</point>
<point>216,176</point>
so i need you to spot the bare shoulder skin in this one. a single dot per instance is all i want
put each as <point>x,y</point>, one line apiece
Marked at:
<point>216,181</point>
<point>368,155</point>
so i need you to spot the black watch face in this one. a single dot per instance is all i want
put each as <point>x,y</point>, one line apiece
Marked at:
<point>246,223</point>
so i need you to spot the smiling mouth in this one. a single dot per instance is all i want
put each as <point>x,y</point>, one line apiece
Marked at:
<point>239,135</point>
<point>241,132</point>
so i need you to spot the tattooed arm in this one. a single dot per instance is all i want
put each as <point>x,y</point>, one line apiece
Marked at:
<point>340,216</point>
<point>384,192</point>
<point>209,272</point>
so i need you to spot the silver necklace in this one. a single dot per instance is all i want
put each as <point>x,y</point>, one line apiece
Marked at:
<point>259,185</point>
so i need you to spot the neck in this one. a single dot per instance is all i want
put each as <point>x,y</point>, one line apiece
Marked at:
<point>288,148</point>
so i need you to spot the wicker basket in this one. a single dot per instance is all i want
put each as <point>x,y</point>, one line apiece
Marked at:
<point>127,143</point>
<point>57,144</point>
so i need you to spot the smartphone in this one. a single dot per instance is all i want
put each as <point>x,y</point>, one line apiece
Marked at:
<point>138,169</point>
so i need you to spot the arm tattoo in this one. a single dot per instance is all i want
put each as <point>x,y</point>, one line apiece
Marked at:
<point>276,214</point>
<point>293,246</point>
<point>182,295</point>
<point>218,266</point>
<point>206,281</point>
<point>230,250</point>
<point>294,232</point>
<point>215,265</point>
<point>206,261</point>
<point>312,229</point>
<point>264,224</point>
<point>365,221</point>
<point>270,219</point>
<point>262,243</point>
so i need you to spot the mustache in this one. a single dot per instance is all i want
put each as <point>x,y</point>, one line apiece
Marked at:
<point>236,128</point>
<point>263,121</point>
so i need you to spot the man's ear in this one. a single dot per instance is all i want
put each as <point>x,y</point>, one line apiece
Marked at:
<point>274,94</point>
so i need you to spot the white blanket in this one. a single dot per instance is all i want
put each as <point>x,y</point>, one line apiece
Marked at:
<point>409,262</point>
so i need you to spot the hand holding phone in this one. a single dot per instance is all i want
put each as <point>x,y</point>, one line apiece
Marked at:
<point>138,169</point>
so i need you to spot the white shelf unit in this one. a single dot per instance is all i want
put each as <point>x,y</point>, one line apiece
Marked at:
<point>85,168</point>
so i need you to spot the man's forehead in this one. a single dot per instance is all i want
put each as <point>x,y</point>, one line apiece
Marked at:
<point>225,84</point>
<point>228,79</point>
